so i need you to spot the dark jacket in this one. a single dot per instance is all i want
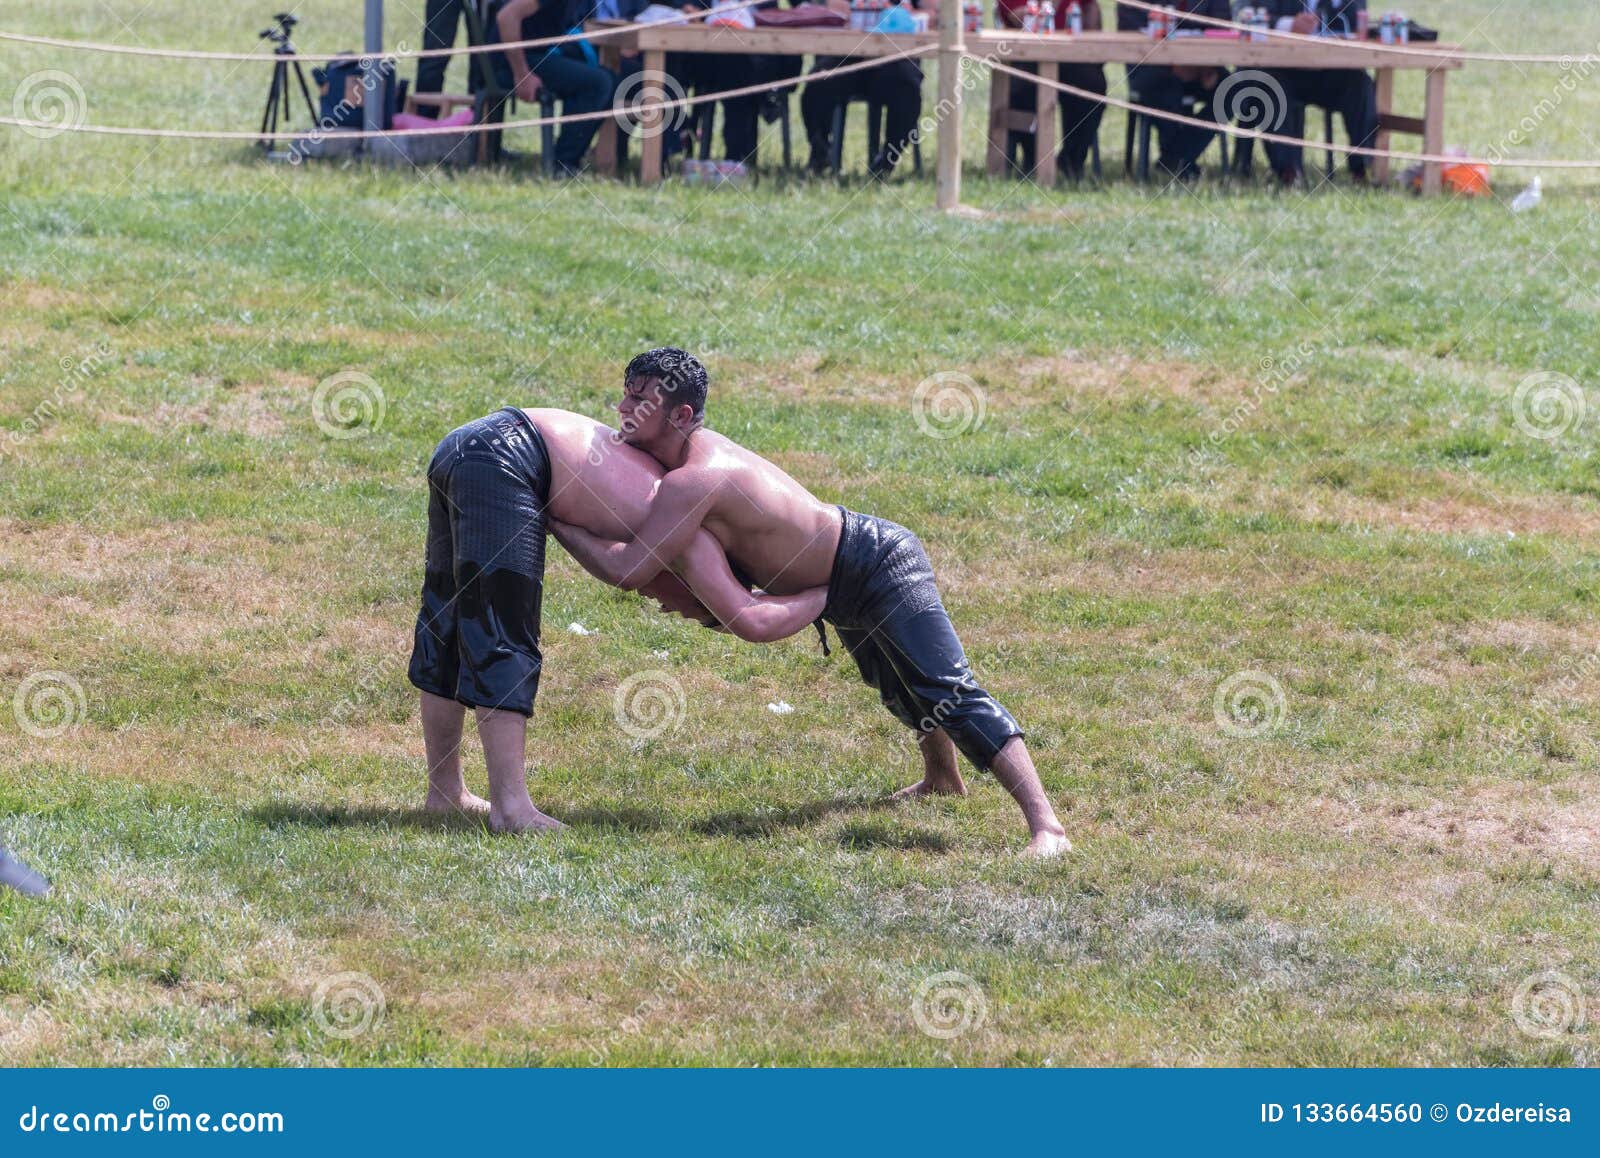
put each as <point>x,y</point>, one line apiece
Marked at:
<point>1131,19</point>
<point>1336,16</point>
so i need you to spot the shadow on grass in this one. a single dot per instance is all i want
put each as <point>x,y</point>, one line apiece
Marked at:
<point>745,823</point>
<point>868,835</point>
<point>748,823</point>
<point>282,813</point>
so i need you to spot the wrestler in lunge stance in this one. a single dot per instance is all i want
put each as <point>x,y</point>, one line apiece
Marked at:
<point>493,487</point>
<point>881,595</point>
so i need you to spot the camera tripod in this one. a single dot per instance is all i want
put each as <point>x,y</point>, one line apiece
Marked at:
<point>278,98</point>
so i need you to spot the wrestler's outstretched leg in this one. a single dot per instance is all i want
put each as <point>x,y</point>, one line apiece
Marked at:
<point>1013,767</point>
<point>505,742</point>
<point>442,722</point>
<point>940,776</point>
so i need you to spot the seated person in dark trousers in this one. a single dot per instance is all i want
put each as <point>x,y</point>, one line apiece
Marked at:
<point>439,22</point>
<point>1175,90</point>
<point>1080,117</point>
<point>578,82</point>
<point>1347,91</point>
<point>494,486</point>
<point>713,72</point>
<point>895,84</point>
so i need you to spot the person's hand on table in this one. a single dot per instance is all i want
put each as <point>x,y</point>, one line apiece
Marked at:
<point>528,87</point>
<point>1304,24</point>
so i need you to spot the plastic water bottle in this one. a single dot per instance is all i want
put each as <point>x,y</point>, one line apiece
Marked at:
<point>1386,29</point>
<point>1402,28</point>
<point>1170,24</point>
<point>1075,18</point>
<point>974,12</point>
<point>1047,17</point>
<point>1030,16</point>
<point>1529,197</point>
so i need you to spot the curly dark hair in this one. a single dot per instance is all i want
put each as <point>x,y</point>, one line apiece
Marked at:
<point>679,372</point>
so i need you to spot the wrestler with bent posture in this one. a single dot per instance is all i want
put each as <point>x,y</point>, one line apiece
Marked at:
<point>882,599</point>
<point>493,487</point>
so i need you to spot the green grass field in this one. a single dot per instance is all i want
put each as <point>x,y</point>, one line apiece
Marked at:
<point>1226,436</point>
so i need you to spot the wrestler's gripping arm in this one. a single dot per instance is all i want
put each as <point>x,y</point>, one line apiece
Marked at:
<point>757,618</point>
<point>680,506</point>
<point>704,569</point>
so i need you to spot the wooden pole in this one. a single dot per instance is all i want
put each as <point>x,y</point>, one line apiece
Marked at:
<point>952,46</point>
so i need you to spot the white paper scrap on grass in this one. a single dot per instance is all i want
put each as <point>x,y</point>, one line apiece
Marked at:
<point>580,629</point>
<point>780,708</point>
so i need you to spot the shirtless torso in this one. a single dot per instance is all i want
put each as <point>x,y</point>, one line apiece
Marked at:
<point>607,487</point>
<point>778,532</point>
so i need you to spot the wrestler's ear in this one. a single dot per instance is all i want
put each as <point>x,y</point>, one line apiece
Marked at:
<point>681,416</point>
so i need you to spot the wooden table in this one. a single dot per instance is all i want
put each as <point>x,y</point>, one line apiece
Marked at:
<point>1050,52</point>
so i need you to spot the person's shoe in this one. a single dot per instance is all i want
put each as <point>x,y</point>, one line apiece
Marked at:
<point>817,166</point>
<point>1291,178</point>
<point>19,876</point>
<point>882,165</point>
<point>772,106</point>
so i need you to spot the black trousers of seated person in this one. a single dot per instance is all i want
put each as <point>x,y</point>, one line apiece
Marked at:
<point>440,20</point>
<point>1160,88</point>
<point>713,72</point>
<point>1347,91</point>
<point>1080,118</point>
<point>895,84</point>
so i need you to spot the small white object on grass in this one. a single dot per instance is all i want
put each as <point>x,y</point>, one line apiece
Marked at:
<point>20,877</point>
<point>580,629</point>
<point>1529,197</point>
<point>780,708</point>
<point>662,653</point>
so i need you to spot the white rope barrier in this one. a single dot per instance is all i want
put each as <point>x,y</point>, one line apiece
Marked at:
<point>441,130</point>
<point>398,54</point>
<point>1278,138</point>
<point>1565,60</point>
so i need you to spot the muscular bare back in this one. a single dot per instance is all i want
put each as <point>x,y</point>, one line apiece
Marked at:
<point>778,532</point>
<point>596,481</point>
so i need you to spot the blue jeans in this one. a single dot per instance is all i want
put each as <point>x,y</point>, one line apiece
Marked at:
<point>581,88</point>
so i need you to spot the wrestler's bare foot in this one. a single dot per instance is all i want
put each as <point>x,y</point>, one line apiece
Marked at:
<point>1048,843</point>
<point>522,819</point>
<point>462,803</point>
<point>928,786</point>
